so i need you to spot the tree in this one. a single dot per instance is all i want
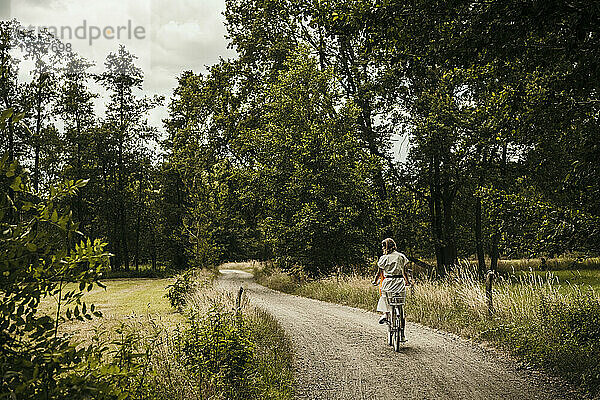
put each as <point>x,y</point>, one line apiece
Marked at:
<point>9,88</point>
<point>128,130</point>
<point>75,107</point>
<point>321,204</point>
<point>39,96</point>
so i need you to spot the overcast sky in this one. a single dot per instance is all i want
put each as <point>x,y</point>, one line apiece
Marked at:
<point>168,36</point>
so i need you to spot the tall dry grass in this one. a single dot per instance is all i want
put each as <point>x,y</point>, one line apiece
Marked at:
<point>549,325</point>
<point>219,351</point>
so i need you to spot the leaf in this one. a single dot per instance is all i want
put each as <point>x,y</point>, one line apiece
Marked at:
<point>19,117</point>
<point>6,114</point>
<point>54,217</point>
<point>16,184</point>
<point>81,183</point>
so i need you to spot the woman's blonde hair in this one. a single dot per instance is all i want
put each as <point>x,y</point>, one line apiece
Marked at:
<point>388,245</point>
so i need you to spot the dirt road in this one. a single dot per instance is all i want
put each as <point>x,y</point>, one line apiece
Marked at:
<point>342,354</point>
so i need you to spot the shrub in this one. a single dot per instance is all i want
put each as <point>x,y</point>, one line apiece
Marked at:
<point>218,351</point>
<point>37,260</point>
<point>563,336</point>
<point>222,352</point>
<point>185,284</point>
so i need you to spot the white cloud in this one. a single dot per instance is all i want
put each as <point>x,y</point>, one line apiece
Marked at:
<point>179,34</point>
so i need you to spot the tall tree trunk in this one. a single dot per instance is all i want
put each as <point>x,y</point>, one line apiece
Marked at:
<point>153,247</point>
<point>354,89</point>
<point>479,237</point>
<point>478,216</point>
<point>137,224</point>
<point>79,175</point>
<point>494,252</point>
<point>36,139</point>
<point>435,209</point>
<point>124,244</point>
<point>450,253</point>
<point>121,185</point>
<point>111,219</point>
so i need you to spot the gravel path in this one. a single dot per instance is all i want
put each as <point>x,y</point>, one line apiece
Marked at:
<point>341,353</point>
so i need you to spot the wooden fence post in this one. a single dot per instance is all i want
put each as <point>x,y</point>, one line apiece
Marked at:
<point>238,300</point>
<point>489,277</point>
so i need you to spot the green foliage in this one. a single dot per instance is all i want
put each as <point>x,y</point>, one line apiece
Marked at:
<point>185,284</point>
<point>218,350</point>
<point>127,188</point>
<point>299,184</point>
<point>117,369</point>
<point>487,95</point>
<point>40,255</point>
<point>562,335</point>
<point>316,177</point>
<point>51,127</point>
<point>532,225</point>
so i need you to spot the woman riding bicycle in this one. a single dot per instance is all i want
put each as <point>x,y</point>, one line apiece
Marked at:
<point>392,276</point>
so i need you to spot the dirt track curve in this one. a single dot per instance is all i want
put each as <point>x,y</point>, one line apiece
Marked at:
<point>341,354</point>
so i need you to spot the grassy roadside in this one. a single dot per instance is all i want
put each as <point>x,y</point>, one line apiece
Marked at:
<point>545,321</point>
<point>246,353</point>
<point>200,349</point>
<point>568,278</point>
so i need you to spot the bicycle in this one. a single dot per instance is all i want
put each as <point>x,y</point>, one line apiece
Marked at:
<point>397,321</point>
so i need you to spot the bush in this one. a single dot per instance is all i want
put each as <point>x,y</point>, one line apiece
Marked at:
<point>119,369</point>
<point>38,258</point>
<point>185,284</point>
<point>218,350</point>
<point>563,336</point>
<point>222,352</point>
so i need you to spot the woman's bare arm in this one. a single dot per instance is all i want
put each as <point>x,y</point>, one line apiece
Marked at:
<point>406,280</point>
<point>376,277</point>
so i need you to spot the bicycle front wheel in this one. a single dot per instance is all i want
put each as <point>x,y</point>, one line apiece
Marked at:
<point>397,330</point>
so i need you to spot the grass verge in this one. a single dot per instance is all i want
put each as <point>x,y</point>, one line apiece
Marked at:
<point>244,353</point>
<point>201,347</point>
<point>546,322</point>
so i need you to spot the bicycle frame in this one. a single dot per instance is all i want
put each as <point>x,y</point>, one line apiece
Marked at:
<point>397,321</point>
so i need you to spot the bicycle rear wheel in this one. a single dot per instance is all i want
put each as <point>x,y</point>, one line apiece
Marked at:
<point>397,326</point>
<point>390,325</point>
<point>402,324</point>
